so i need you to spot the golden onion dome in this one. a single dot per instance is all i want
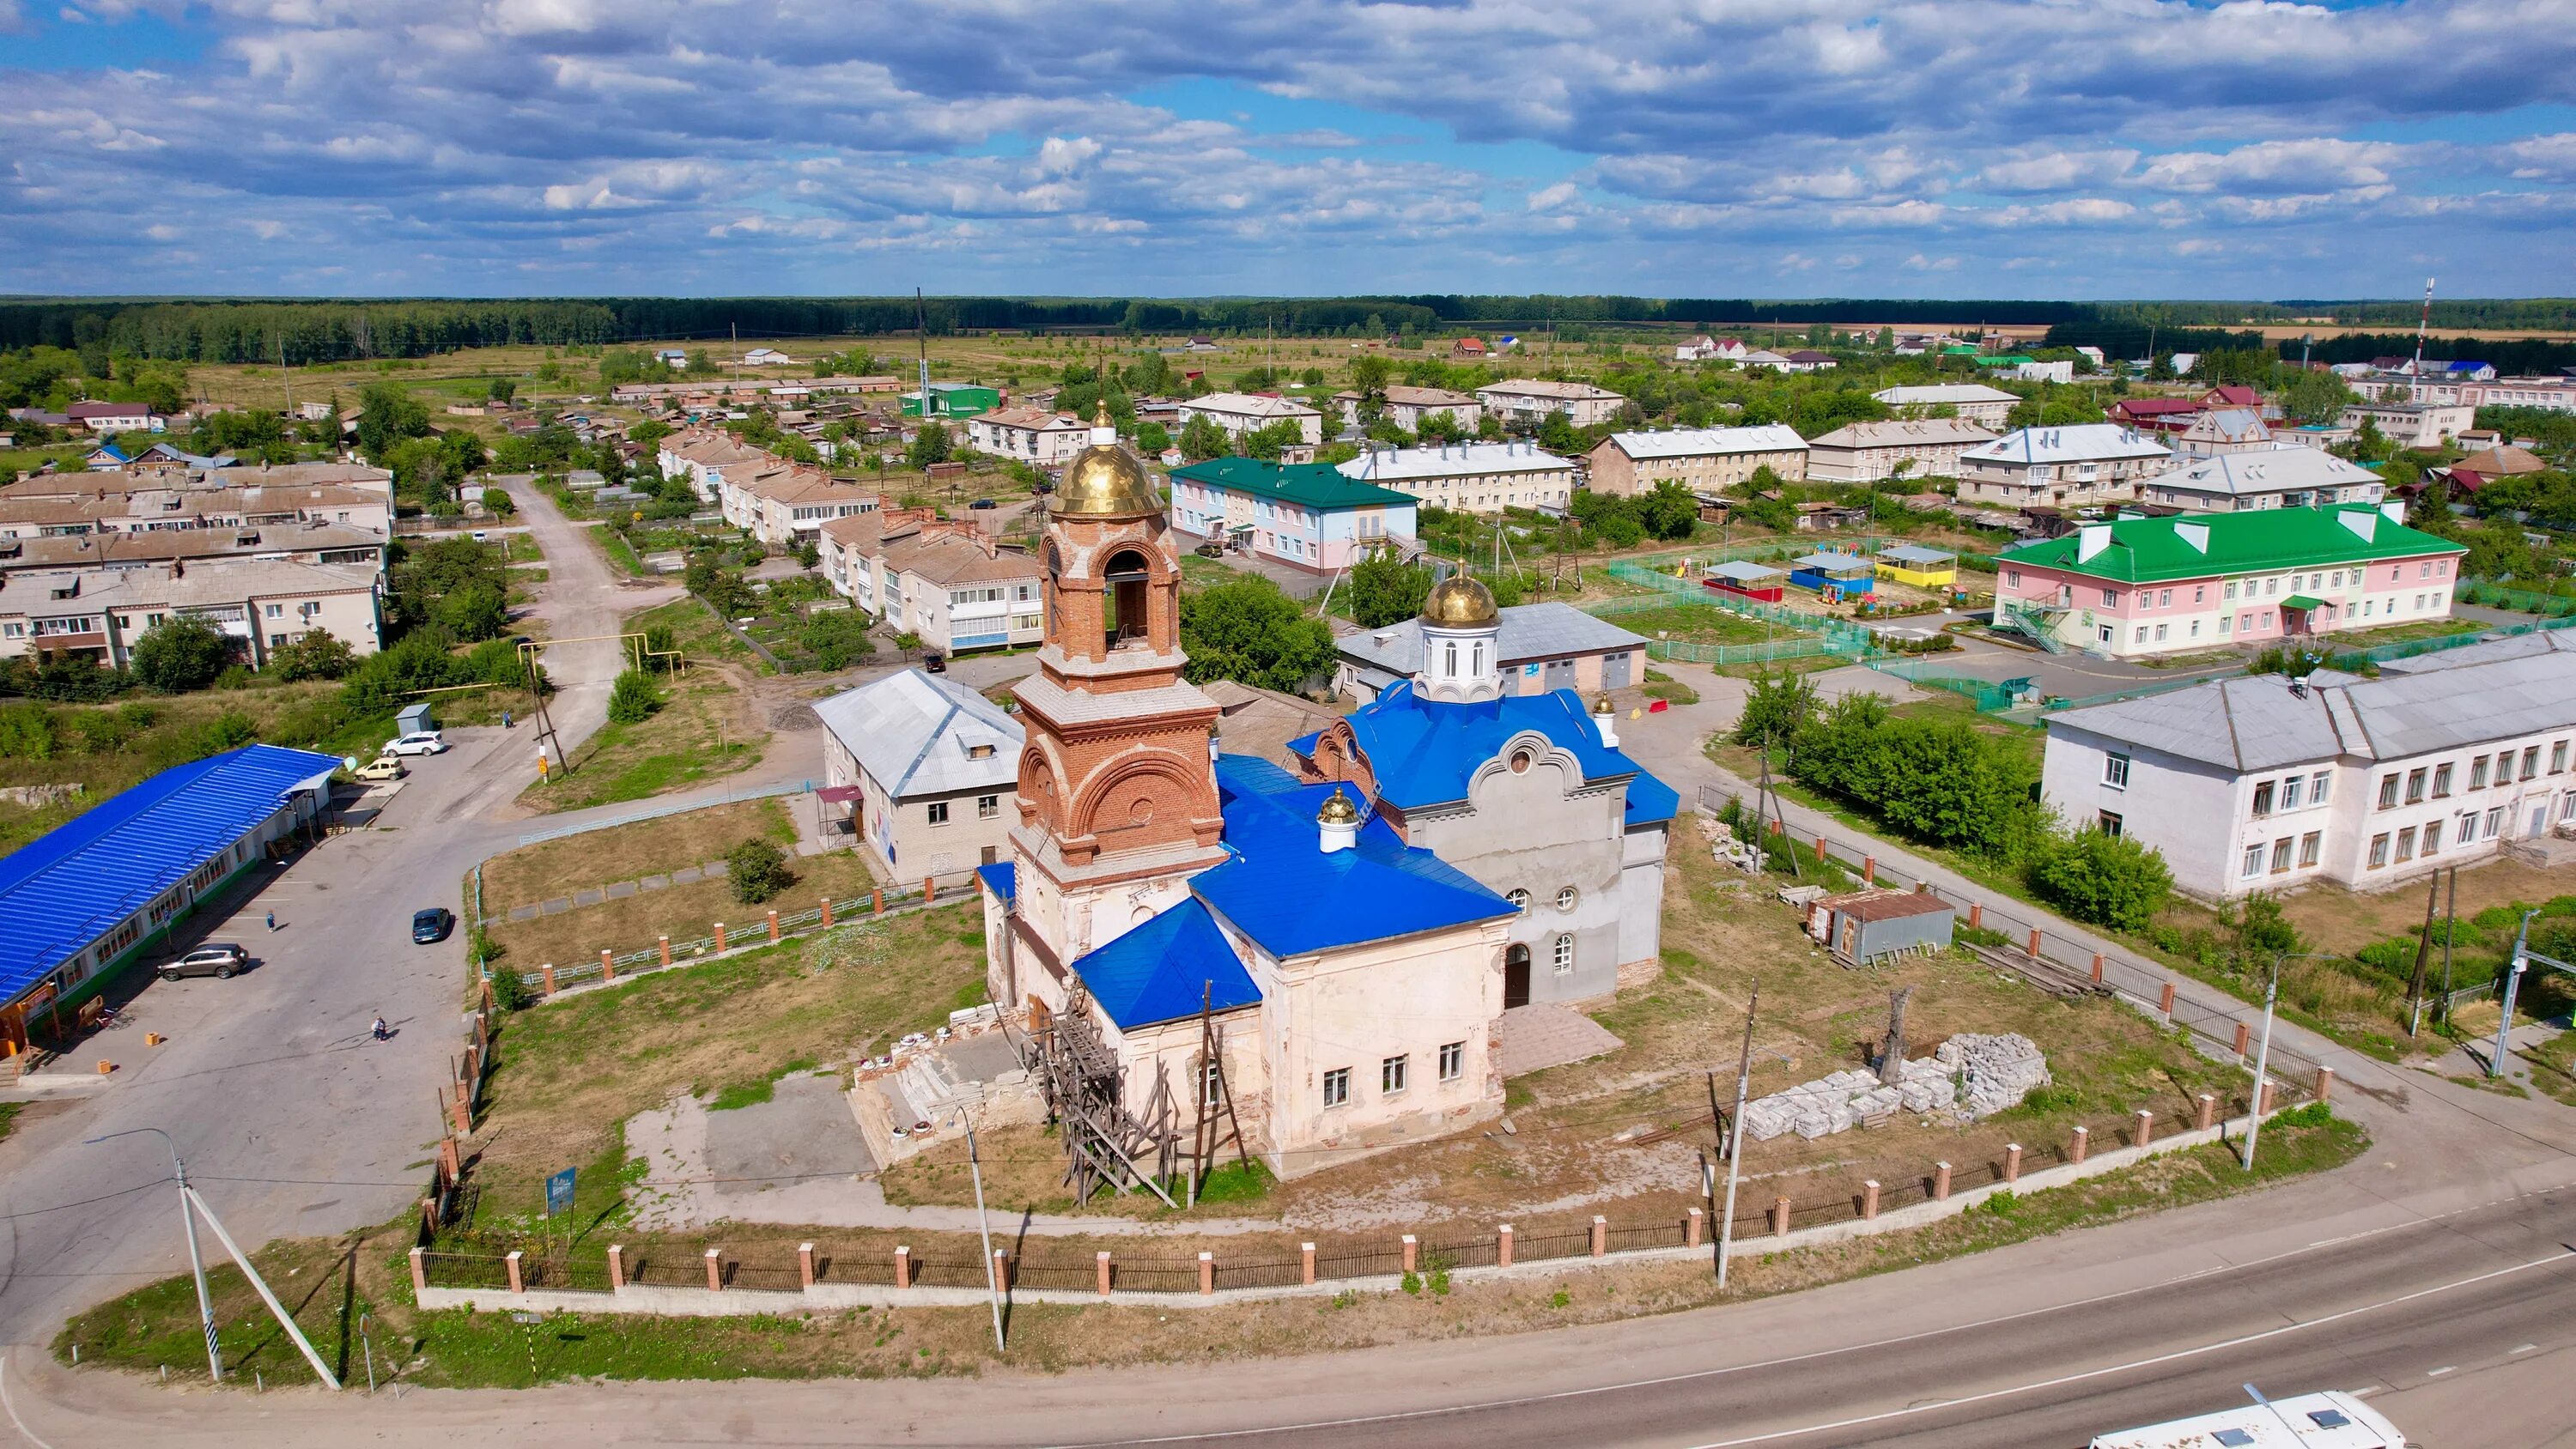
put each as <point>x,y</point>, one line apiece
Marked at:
<point>1105,480</point>
<point>1601,705</point>
<point>1459,602</point>
<point>1338,810</point>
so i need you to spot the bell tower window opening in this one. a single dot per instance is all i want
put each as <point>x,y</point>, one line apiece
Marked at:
<point>1129,594</point>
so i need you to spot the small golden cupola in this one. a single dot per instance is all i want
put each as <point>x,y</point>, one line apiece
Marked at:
<point>1461,643</point>
<point>1337,824</point>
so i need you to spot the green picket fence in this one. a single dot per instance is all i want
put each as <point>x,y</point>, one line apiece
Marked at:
<point>2492,595</point>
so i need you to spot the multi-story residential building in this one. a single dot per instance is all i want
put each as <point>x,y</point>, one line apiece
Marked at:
<point>1305,514</point>
<point>1039,437</point>
<point>2281,476</point>
<point>151,474</point>
<point>258,604</point>
<point>925,769</point>
<point>1875,452</point>
<point>1406,407</point>
<point>1528,400</point>
<point>949,583</point>
<point>2214,431</point>
<point>2413,425</point>
<point>183,549</point>
<point>1239,413</point>
<point>2068,467</point>
<point>705,455</point>
<point>1972,402</point>
<point>155,509</point>
<point>1704,460</point>
<point>2465,389</point>
<point>112,417</point>
<point>2146,586</point>
<point>2267,783</point>
<point>1475,477</point>
<point>778,500</point>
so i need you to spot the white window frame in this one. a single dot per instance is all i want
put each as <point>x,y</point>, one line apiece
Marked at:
<point>2115,770</point>
<point>1563,954</point>
<point>1337,1087</point>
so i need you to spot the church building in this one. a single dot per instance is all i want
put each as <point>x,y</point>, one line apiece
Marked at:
<point>1353,931</point>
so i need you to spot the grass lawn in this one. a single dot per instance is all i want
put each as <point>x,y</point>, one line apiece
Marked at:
<point>696,736</point>
<point>534,873</point>
<point>697,633</point>
<point>328,1283</point>
<point>569,1073</point>
<point>1701,624</point>
<point>2402,633</point>
<point>684,912</point>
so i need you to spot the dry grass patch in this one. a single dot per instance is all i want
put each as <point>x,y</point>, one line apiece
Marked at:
<point>706,729</point>
<point>2331,918</point>
<point>552,868</point>
<point>683,912</point>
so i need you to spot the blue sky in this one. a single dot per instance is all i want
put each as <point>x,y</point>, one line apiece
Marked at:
<point>2029,148</point>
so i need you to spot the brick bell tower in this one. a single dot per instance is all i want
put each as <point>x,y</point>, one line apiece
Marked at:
<point>1117,790</point>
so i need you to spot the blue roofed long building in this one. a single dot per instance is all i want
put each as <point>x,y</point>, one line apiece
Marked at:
<point>1348,930</point>
<point>83,901</point>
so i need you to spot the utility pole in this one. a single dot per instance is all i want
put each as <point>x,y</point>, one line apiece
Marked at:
<point>2450,928</point>
<point>992,1275</point>
<point>188,1220</point>
<point>2512,981</point>
<point>2423,958</point>
<point>1735,1136</point>
<point>2262,1062</point>
<point>2415,383</point>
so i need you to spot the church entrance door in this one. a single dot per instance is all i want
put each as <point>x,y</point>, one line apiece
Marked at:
<point>1516,977</point>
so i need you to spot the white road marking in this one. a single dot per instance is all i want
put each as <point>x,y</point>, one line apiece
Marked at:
<point>2437,1373</point>
<point>23,1431</point>
<point>1403,1415</point>
<point>2526,1348</point>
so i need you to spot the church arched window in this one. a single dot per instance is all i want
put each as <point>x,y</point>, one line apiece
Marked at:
<point>1452,667</point>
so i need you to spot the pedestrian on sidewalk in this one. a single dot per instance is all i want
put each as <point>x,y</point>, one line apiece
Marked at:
<point>272,920</point>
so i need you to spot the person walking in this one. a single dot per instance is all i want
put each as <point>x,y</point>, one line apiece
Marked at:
<point>272,920</point>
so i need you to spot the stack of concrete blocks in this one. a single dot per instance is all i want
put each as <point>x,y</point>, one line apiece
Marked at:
<point>1995,1072</point>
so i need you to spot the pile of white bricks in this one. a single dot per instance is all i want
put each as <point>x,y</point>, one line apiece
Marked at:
<point>1970,1077</point>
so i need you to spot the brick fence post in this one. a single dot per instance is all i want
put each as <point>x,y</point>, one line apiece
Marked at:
<point>2204,1111</point>
<point>616,1266</point>
<point>419,1273</point>
<point>2244,1033</point>
<point>1412,1253</point>
<point>903,1267</point>
<point>1002,1269</point>
<point>1940,1182</point>
<point>2325,1083</point>
<point>2271,1090</point>
<point>1694,1227</point>
<point>460,1114</point>
<point>547,974</point>
<point>518,1283</point>
<point>2165,1001</point>
<point>1306,1264</point>
<point>1780,1217</point>
<point>448,1166</point>
<point>1820,845</point>
<point>715,1270</point>
<point>1600,1235</point>
<point>429,1215</point>
<point>2081,1139</point>
<point>607,964</point>
<point>2034,943</point>
<point>1207,1272</point>
<point>773,928</point>
<point>2098,963</point>
<point>805,1265</point>
<point>720,938</point>
<point>2012,1163</point>
<point>1869,1199</point>
<point>666,950</point>
<point>929,888</point>
<point>2146,1129</point>
<point>1868,871</point>
<point>1503,1246</point>
<point>876,899</point>
<point>1976,915</point>
<point>827,913</point>
<point>1100,1266</point>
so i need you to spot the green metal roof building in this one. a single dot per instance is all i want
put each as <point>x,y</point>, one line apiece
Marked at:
<point>1311,515</point>
<point>954,400</point>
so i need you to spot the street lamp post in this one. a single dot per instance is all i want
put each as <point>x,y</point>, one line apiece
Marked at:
<point>2512,981</point>
<point>188,1220</point>
<point>2263,1052</point>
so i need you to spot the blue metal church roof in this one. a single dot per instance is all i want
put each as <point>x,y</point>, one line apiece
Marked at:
<point>74,883</point>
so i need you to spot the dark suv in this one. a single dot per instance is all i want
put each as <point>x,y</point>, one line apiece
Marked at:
<point>431,925</point>
<point>219,959</point>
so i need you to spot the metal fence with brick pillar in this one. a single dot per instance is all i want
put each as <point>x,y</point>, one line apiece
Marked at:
<point>1503,1246</point>
<point>547,972</point>
<point>827,913</point>
<point>1306,1264</point>
<point>666,950</point>
<point>1940,1181</point>
<point>2325,1083</point>
<point>903,1267</point>
<point>2012,1163</point>
<point>715,1270</point>
<point>1694,1225</point>
<point>1600,1236</point>
<point>607,964</point>
<point>773,928</point>
<point>804,1265</point>
<point>2244,1034</point>
<point>1412,1253</point>
<point>419,1274</point>
<point>2165,1001</point>
<point>616,1266</point>
<point>2204,1111</point>
<point>2145,1131</point>
<point>1780,1217</point>
<point>2077,1142</point>
<point>1100,1265</point>
<point>1207,1272</point>
<point>518,1280</point>
<point>720,941</point>
<point>1869,1199</point>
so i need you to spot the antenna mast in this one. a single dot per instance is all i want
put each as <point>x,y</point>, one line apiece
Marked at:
<point>2415,385</point>
<point>921,335</point>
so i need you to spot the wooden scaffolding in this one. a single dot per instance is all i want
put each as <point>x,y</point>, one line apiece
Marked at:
<point>1104,1142</point>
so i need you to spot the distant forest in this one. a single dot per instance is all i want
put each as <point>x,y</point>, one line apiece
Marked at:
<point>264,330</point>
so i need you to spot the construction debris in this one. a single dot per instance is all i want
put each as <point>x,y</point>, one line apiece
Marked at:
<point>1996,1071</point>
<point>1969,1077</point>
<point>1742,854</point>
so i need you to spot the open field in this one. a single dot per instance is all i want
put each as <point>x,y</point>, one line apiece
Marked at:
<point>534,873</point>
<point>684,912</point>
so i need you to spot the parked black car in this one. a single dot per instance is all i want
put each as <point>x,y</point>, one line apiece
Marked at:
<point>432,925</point>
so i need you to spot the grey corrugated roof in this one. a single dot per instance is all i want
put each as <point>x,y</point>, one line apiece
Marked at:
<point>2251,722</point>
<point>1529,632</point>
<point>915,734</point>
<point>2287,466</point>
<point>1917,553</point>
<point>1743,572</point>
<point>2512,646</point>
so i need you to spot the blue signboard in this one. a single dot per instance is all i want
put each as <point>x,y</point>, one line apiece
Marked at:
<point>559,1192</point>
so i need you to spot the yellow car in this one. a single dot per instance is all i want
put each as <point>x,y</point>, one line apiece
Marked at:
<point>383,767</point>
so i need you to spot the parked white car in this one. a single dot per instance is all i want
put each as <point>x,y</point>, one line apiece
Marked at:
<point>427,742</point>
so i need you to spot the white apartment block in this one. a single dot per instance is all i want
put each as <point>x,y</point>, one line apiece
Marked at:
<point>1406,407</point>
<point>2263,783</point>
<point>2069,467</point>
<point>949,583</point>
<point>1972,402</point>
<point>1529,400</point>
<point>2413,425</point>
<point>1471,477</point>
<point>1038,437</point>
<point>2282,475</point>
<point>1876,452</point>
<point>1239,413</point>
<point>258,604</point>
<point>1704,460</point>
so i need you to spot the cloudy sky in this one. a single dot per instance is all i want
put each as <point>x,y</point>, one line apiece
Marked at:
<point>2018,148</point>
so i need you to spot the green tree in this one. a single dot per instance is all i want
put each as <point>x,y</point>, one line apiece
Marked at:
<point>1249,631</point>
<point>757,870</point>
<point>1202,439</point>
<point>1269,441</point>
<point>2315,396</point>
<point>836,638</point>
<point>929,445</point>
<point>498,503</point>
<point>1669,511</point>
<point>632,699</point>
<point>503,389</point>
<point>2107,880</point>
<point>2263,929</point>
<point>1153,439</point>
<point>181,653</point>
<point>318,655</point>
<point>476,612</point>
<point>1556,434</point>
<point>389,414</point>
<point>1386,590</point>
<point>1778,708</point>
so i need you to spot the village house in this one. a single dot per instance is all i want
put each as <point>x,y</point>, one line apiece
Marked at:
<point>1525,402</point>
<point>1039,437</point>
<point>789,502</point>
<point>1704,460</point>
<point>2264,782</point>
<point>257,604</point>
<point>114,417</point>
<point>921,767</point>
<point>1406,407</point>
<point>1710,349</point>
<point>1309,515</point>
<point>2077,466</point>
<point>2274,477</point>
<point>949,583</point>
<point>1971,402</point>
<point>2145,586</point>
<point>1875,452</point>
<point>1539,647</point>
<point>1473,477</point>
<point>2413,425</point>
<point>1239,413</point>
<point>2215,431</point>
